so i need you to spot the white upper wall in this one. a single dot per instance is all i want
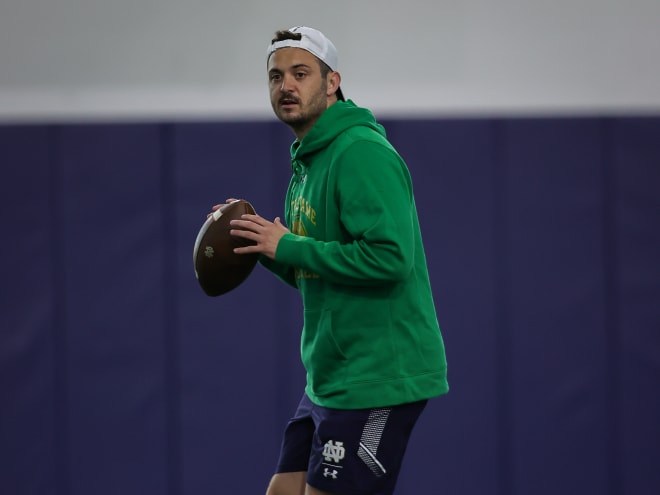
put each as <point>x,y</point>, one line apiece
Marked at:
<point>122,59</point>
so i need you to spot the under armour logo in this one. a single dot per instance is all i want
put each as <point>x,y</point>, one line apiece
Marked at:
<point>334,451</point>
<point>333,474</point>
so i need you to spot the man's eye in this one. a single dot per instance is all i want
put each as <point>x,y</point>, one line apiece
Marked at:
<point>300,75</point>
<point>275,77</point>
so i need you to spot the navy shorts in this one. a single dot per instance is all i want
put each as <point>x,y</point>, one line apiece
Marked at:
<point>348,451</point>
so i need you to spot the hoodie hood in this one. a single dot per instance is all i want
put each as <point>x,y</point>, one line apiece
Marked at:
<point>336,119</point>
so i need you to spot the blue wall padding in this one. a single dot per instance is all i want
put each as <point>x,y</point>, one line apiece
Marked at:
<point>635,339</point>
<point>118,375</point>
<point>552,236</point>
<point>29,379</point>
<point>452,165</point>
<point>108,189</point>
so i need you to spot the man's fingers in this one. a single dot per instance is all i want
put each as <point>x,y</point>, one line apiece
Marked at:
<point>245,234</point>
<point>250,222</point>
<point>253,218</point>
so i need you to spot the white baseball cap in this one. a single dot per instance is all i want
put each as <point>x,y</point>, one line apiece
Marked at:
<point>315,42</point>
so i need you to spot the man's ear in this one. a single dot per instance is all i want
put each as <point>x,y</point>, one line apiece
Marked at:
<point>334,80</point>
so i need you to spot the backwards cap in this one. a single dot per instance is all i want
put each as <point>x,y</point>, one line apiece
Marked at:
<point>315,42</point>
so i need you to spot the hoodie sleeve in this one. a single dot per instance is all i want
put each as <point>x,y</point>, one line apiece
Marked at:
<point>283,271</point>
<point>376,212</point>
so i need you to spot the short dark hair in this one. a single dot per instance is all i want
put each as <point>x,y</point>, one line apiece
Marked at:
<point>285,35</point>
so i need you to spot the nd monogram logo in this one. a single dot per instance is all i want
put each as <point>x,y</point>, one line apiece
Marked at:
<point>334,451</point>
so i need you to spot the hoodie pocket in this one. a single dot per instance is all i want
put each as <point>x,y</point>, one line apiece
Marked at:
<point>322,356</point>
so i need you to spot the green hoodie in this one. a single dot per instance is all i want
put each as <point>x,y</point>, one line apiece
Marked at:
<point>371,336</point>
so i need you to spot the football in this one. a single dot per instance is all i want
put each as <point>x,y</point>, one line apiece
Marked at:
<point>217,268</point>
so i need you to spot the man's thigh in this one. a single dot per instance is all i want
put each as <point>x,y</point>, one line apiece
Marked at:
<point>288,483</point>
<point>292,484</point>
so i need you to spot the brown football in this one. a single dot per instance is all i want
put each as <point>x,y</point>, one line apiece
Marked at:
<point>217,268</point>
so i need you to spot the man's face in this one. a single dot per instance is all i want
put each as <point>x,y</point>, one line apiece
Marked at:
<point>298,93</point>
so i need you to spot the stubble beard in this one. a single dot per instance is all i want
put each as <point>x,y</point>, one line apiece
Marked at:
<point>307,112</point>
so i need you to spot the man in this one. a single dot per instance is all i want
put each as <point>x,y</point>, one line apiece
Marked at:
<point>371,344</point>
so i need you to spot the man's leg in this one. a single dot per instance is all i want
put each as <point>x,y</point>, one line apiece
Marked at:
<point>291,472</point>
<point>287,484</point>
<point>310,490</point>
<point>292,484</point>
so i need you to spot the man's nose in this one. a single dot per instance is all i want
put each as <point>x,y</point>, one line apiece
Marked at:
<point>286,84</point>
